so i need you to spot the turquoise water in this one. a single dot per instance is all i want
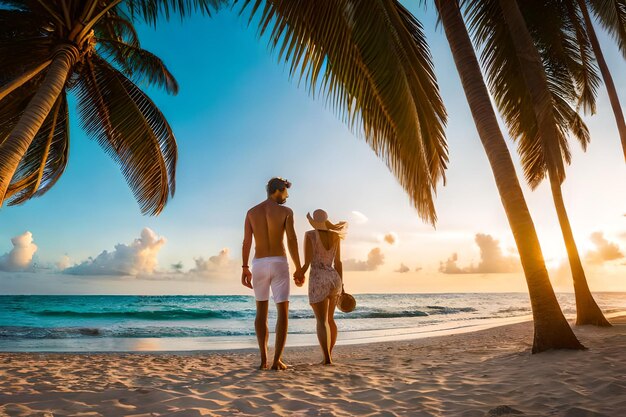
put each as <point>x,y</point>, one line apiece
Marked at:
<point>31,322</point>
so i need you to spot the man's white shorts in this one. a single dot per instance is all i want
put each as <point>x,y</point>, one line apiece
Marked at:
<point>271,271</point>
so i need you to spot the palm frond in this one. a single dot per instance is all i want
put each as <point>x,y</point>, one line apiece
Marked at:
<point>12,106</point>
<point>59,152</point>
<point>131,129</point>
<point>45,159</point>
<point>572,124</point>
<point>586,74</point>
<point>24,43</point>
<point>114,26</point>
<point>138,64</point>
<point>371,62</point>
<point>25,5</point>
<point>25,182</point>
<point>19,22</point>
<point>152,10</point>
<point>612,16</point>
<point>559,34</point>
<point>556,40</point>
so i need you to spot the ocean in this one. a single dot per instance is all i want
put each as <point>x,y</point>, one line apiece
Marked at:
<point>180,322</point>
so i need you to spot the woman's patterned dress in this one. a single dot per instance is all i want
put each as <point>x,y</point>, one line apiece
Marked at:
<point>324,280</point>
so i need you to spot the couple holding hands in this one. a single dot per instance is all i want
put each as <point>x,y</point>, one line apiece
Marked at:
<point>267,223</point>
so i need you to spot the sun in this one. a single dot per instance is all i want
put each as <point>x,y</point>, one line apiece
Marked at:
<point>555,263</point>
<point>554,252</point>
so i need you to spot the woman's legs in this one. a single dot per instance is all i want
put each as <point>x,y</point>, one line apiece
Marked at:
<point>332,302</point>
<point>323,330</point>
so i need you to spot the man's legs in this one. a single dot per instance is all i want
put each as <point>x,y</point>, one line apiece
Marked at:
<point>280,284</point>
<point>262,330</point>
<point>282,310</point>
<point>261,286</point>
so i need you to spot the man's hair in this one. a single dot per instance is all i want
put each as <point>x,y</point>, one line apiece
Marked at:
<point>275,184</point>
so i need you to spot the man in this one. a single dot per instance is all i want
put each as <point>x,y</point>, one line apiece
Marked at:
<point>268,222</point>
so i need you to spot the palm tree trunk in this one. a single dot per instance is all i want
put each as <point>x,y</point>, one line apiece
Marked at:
<point>537,84</point>
<point>587,310</point>
<point>552,330</point>
<point>14,148</point>
<point>606,75</point>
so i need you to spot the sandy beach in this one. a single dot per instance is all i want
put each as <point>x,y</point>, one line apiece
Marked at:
<point>483,373</point>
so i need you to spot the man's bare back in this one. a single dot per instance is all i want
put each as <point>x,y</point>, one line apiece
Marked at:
<point>269,222</point>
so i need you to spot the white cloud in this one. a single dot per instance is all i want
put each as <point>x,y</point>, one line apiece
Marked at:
<point>492,260</point>
<point>63,263</point>
<point>375,258</point>
<point>219,266</point>
<point>139,257</point>
<point>359,217</point>
<point>605,250</point>
<point>21,256</point>
<point>221,261</point>
<point>450,266</point>
<point>402,269</point>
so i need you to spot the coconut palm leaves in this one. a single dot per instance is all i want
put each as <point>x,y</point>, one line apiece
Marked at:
<point>612,15</point>
<point>46,158</point>
<point>91,48</point>
<point>572,81</point>
<point>118,43</point>
<point>129,126</point>
<point>151,10</point>
<point>371,62</point>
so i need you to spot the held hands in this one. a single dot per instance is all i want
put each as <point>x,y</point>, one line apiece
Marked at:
<point>298,277</point>
<point>246,277</point>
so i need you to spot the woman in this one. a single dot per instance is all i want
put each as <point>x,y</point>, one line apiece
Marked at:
<point>322,254</point>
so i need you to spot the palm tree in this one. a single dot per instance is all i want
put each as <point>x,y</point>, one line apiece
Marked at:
<point>551,328</point>
<point>533,78</point>
<point>612,15</point>
<point>50,48</point>
<point>375,68</point>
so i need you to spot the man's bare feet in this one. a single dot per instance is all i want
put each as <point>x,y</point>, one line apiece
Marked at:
<point>279,366</point>
<point>263,366</point>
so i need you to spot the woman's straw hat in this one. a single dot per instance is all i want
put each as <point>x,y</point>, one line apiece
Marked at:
<point>320,221</point>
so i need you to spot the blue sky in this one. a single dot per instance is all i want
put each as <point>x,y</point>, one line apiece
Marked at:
<point>239,120</point>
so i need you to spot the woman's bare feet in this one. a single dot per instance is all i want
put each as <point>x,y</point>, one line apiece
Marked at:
<point>279,366</point>
<point>263,366</point>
